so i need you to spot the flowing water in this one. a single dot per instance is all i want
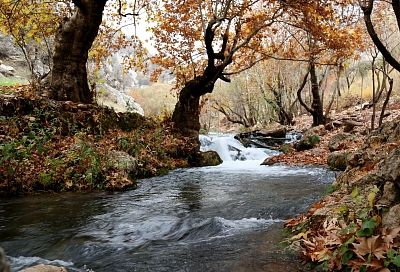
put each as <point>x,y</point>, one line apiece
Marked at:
<point>224,218</point>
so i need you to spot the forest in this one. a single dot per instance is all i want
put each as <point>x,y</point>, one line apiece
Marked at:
<point>128,100</point>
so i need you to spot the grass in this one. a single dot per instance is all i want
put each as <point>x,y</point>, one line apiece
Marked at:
<point>12,81</point>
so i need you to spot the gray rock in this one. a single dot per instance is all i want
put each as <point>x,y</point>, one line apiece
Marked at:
<point>44,268</point>
<point>391,219</point>
<point>391,168</point>
<point>337,160</point>
<point>118,100</point>
<point>389,195</point>
<point>7,70</point>
<point>339,141</point>
<point>8,48</point>
<point>4,266</point>
<point>355,159</point>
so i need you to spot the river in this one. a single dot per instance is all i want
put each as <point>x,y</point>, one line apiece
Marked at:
<point>223,218</point>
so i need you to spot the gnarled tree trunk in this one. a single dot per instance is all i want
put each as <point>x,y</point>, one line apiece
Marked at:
<point>68,78</point>
<point>187,109</point>
<point>316,109</point>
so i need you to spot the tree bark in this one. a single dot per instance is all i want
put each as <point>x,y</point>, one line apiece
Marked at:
<point>316,106</point>
<point>187,110</point>
<point>68,78</point>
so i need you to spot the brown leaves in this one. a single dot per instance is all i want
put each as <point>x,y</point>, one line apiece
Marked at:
<point>372,246</point>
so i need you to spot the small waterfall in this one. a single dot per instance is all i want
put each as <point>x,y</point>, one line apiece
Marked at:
<point>230,149</point>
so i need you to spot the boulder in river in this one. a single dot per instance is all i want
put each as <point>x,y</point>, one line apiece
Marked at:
<point>264,139</point>
<point>207,158</point>
<point>307,142</point>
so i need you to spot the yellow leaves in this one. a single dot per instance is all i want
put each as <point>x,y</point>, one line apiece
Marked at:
<point>27,20</point>
<point>300,236</point>
<point>372,195</point>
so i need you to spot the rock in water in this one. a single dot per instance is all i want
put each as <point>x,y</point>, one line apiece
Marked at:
<point>208,158</point>
<point>4,266</point>
<point>45,268</point>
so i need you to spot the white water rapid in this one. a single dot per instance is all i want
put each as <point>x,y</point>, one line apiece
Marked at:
<point>230,149</point>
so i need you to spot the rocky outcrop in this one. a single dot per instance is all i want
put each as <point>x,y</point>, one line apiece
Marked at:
<point>8,49</point>
<point>119,101</point>
<point>4,265</point>
<point>44,268</point>
<point>7,70</point>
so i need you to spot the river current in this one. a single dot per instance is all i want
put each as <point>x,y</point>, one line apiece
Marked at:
<point>223,218</point>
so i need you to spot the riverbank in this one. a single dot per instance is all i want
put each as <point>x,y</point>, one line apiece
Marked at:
<point>357,226</point>
<point>63,146</point>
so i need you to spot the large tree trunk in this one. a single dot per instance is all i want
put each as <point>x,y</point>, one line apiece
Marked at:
<point>186,113</point>
<point>187,110</point>
<point>68,79</point>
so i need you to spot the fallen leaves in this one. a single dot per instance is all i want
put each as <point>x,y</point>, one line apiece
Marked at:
<point>370,246</point>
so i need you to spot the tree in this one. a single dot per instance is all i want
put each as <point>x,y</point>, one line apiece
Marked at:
<point>322,34</point>
<point>74,38</point>
<point>75,24</point>
<point>199,40</point>
<point>32,25</point>
<point>382,37</point>
<point>203,41</point>
<point>367,6</point>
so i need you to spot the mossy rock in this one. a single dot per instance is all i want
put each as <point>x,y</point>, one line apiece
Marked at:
<point>208,158</point>
<point>307,142</point>
<point>338,160</point>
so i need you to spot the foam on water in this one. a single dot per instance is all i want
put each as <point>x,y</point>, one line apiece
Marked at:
<point>217,227</point>
<point>230,149</point>
<point>21,262</point>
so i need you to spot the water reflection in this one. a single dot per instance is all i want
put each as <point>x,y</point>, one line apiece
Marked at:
<point>190,194</point>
